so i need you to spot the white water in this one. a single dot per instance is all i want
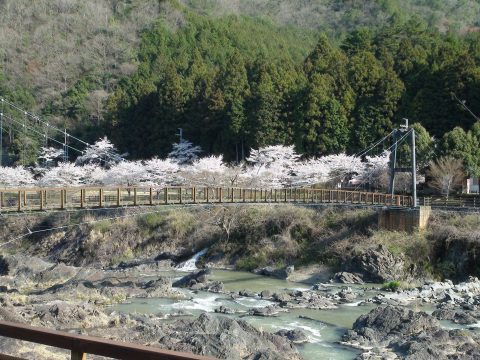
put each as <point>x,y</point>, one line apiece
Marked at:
<point>190,264</point>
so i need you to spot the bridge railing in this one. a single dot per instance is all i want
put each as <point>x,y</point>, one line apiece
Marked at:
<point>100,197</point>
<point>451,202</point>
<point>80,345</point>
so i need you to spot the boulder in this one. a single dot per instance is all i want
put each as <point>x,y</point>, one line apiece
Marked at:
<point>267,311</point>
<point>385,324</point>
<point>347,278</point>
<point>296,336</point>
<point>282,273</point>
<point>266,294</point>
<point>407,334</point>
<point>456,316</point>
<point>189,280</point>
<point>225,338</point>
<point>378,265</point>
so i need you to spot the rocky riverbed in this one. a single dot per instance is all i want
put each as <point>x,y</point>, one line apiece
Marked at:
<point>240,316</point>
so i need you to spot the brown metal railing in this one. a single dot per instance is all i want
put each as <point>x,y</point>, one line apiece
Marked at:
<point>80,345</point>
<point>99,197</point>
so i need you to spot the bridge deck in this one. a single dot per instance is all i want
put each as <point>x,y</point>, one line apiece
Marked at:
<point>37,199</point>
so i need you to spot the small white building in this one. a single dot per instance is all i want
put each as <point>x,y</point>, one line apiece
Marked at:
<point>473,186</point>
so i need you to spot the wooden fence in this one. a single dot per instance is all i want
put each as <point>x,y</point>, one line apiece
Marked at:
<point>451,202</point>
<point>78,198</point>
<point>80,345</point>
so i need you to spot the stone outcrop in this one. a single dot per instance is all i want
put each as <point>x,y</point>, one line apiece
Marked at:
<point>378,265</point>
<point>395,332</point>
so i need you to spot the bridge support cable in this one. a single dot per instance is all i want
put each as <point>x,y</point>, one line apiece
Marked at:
<point>413,162</point>
<point>397,142</point>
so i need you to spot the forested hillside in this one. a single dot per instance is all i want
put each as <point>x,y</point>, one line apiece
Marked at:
<point>326,76</point>
<point>337,16</point>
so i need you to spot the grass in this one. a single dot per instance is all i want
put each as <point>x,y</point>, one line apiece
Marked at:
<point>102,226</point>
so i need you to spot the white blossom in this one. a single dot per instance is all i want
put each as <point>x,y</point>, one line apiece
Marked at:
<point>13,177</point>
<point>184,152</point>
<point>102,153</point>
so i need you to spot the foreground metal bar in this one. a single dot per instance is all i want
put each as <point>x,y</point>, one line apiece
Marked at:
<point>81,345</point>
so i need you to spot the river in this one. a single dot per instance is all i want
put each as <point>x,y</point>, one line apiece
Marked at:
<point>323,327</point>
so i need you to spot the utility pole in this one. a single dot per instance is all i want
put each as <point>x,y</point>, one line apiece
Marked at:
<point>1,132</point>
<point>1,136</point>
<point>414,169</point>
<point>65,147</point>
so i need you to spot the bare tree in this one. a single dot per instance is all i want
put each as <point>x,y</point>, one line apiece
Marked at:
<point>447,175</point>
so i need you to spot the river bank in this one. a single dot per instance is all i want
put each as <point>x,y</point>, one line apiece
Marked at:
<point>320,284</point>
<point>277,319</point>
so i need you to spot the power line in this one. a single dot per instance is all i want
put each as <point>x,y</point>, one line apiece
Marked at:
<point>64,132</point>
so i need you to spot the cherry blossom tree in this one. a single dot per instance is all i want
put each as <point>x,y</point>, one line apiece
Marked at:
<point>15,177</point>
<point>68,174</point>
<point>129,173</point>
<point>163,172</point>
<point>184,152</point>
<point>51,156</point>
<point>208,171</point>
<point>271,165</point>
<point>101,153</point>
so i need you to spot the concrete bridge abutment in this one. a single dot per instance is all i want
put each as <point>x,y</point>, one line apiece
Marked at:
<point>404,219</point>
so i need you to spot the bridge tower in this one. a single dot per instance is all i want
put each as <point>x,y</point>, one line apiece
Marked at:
<point>398,135</point>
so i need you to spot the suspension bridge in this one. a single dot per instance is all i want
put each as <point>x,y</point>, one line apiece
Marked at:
<point>396,212</point>
<point>399,212</point>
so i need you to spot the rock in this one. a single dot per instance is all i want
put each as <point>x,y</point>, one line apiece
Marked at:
<point>189,280</point>
<point>282,273</point>
<point>224,310</point>
<point>347,278</point>
<point>211,286</point>
<point>385,324</point>
<point>266,294</point>
<point>71,315</point>
<point>296,336</point>
<point>247,293</point>
<point>282,297</point>
<point>346,295</point>
<point>225,338</point>
<point>4,268</point>
<point>457,316</point>
<point>160,288</point>
<point>57,273</point>
<point>289,270</point>
<point>22,266</point>
<point>179,255</point>
<point>267,311</point>
<point>321,287</point>
<point>378,265</point>
<point>410,335</point>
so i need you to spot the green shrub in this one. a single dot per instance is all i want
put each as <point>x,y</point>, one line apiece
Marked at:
<point>151,221</point>
<point>251,262</point>
<point>391,286</point>
<point>102,226</point>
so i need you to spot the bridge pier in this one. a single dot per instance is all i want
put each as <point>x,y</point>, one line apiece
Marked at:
<point>404,219</point>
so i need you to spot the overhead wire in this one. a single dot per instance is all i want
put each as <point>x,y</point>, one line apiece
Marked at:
<point>50,126</point>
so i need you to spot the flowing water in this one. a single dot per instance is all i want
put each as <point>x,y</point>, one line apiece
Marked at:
<point>190,264</point>
<point>323,327</point>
